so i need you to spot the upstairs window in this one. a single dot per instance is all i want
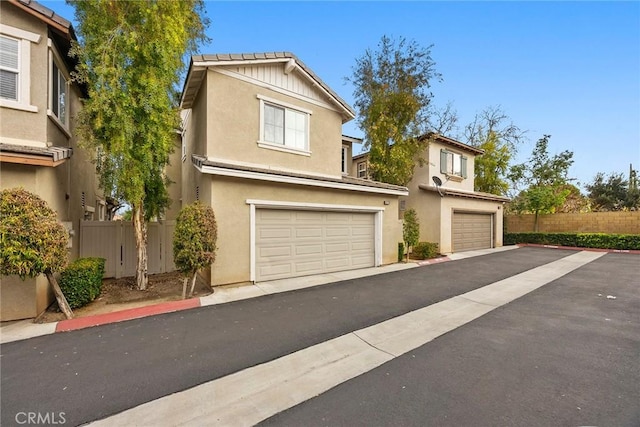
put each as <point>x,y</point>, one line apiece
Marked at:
<point>283,126</point>
<point>59,98</point>
<point>453,164</point>
<point>9,68</point>
<point>362,170</point>
<point>345,158</point>
<point>15,68</point>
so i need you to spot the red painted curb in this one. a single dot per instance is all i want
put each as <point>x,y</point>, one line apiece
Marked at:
<point>129,314</point>
<point>575,248</point>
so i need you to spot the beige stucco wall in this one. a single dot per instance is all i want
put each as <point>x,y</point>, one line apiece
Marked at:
<point>23,299</point>
<point>234,128</point>
<point>228,199</point>
<point>19,124</point>
<point>436,215</point>
<point>431,168</point>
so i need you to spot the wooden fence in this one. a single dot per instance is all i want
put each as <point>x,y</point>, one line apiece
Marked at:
<point>115,242</point>
<point>591,222</point>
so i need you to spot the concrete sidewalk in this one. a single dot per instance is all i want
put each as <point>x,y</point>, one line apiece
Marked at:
<point>24,329</point>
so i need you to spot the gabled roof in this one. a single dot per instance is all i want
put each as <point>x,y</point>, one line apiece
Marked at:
<point>465,194</point>
<point>199,63</point>
<point>46,15</point>
<point>452,142</point>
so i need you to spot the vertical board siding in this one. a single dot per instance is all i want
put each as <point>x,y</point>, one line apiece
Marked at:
<point>115,242</point>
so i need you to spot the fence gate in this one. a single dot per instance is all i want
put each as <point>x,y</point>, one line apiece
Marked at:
<point>115,242</point>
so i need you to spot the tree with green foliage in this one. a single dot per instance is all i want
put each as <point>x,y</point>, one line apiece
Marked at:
<point>32,240</point>
<point>410,229</point>
<point>392,99</point>
<point>194,241</point>
<point>130,61</point>
<point>544,178</point>
<point>614,192</point>
<point>492,131</point>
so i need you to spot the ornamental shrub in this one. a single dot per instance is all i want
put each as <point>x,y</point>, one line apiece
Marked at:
<point>81,281</point>
<point>425,250</point>
<point>194,241</point>
<point>32,240</point>
<point>580,240</point>
<point>410,229</point>
<point>400,251</point>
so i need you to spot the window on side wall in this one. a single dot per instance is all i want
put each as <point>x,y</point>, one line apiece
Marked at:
<point>345,158</point>
<point>453,164</point>
<point>15,67</point>
<point>9,68</point>
<point>58,90</point>
<point>362,170</point>
<point>283,127</point>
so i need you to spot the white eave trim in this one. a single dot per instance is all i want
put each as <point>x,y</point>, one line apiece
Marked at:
<point>274,204</point>
<point>261,176</point>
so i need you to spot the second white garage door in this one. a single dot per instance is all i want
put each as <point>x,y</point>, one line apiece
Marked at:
<point>472,231</point>
<point>292,243</point>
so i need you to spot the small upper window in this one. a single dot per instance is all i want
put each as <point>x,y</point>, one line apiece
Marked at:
<point>9,68</point>
<point>362,170</point>
<point>345,158</point>
<point>59,99</point>
<point>453,164</point>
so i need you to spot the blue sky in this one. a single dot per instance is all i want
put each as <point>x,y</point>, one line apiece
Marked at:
<point>568,69</point>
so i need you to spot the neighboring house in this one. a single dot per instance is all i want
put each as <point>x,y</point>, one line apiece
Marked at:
<point>38,148</point>
<point>451,214</point>
<point>263,145</point>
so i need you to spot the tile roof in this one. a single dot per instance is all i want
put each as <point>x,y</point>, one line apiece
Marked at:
<point>56,153</point>
<point>461,193</point>
<point>203,161</point>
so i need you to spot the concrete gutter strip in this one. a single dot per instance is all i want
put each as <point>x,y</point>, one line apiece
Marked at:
<point>257,393</point>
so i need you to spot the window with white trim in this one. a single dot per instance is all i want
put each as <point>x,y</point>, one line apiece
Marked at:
<point>59,94</point>
<point>9,68</point>
<point>345,158</point>
<point>283,126</point>
<point>15,67</point>
<point>362,169</point>
<point>453,164</point>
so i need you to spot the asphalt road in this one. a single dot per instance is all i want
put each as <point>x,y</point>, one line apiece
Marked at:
<point>564,355</point>
<point>92,373</point>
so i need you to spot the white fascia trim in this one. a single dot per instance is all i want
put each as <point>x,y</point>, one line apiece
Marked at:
<point>238,62</point>
<point>323,90</point>
<point>215,170</point>
<point>277,204</point>
<point>278,89</point>
<point>283,104</point>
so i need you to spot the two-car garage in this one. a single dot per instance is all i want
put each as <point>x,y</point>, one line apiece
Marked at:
<point>297,242</point>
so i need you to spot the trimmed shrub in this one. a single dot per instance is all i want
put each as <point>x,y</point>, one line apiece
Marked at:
<point>580,240</point>
<point>81,281</point>
<point>400,251</point>
<point>425,250</point>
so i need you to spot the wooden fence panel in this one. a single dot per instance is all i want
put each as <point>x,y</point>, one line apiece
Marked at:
<point>115,242</point>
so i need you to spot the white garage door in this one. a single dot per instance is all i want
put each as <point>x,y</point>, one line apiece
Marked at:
<point>472,231</point>
<point>292,243</point>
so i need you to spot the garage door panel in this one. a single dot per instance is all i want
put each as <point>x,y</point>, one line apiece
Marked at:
<point>295,243</point>
<point>274,233</point>
<point>471,231</point>
<point>308,232</point>
<point>274,251</point>
<point>302,250</point>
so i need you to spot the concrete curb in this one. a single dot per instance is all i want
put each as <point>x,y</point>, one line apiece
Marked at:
<point>575,248</point>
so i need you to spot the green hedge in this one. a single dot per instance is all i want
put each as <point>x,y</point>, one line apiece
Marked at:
<point>425,250</point>
<point>580,240</point>
<point>81,281</point>
<point>400,251</point>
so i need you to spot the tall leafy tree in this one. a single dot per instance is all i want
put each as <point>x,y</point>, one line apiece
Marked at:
<point>492,131</point>
<point>392,98</point>
<point>613,192</point>
<point>544,178</point>
<point>130,60</point>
